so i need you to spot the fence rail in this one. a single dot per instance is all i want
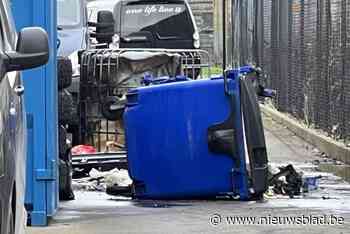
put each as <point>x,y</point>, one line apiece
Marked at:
<point>304,48</point>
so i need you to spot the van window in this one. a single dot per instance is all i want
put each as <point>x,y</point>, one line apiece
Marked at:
<point>69,13</point>
<point>166,21</point>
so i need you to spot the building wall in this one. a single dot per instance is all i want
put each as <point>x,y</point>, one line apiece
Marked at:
<point>203,11</point>
<point>217,33</point>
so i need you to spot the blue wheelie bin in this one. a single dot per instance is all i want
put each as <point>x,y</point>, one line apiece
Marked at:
<point>185,139</point>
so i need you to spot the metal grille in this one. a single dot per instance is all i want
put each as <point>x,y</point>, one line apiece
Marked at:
<point>303,47</point>
<point>102,80</point>
<point>346,69</point>
<point>267,56</point>
<point>313,81</point>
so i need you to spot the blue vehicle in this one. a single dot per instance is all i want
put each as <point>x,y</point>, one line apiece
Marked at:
<point>28,50</point>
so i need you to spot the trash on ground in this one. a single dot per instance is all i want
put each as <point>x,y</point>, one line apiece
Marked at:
<point>310,183</point>
<point>287,181</point>
<point>89,184</point>
<point>116,190</point>
<point>83,164</point>
<point>100,181</point>
<point>113,177</point>
<point>83,149</point>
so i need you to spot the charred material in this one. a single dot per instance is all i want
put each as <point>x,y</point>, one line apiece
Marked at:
<point>292,184</point>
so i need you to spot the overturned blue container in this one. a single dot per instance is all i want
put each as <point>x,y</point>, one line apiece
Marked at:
<point>185,140</point>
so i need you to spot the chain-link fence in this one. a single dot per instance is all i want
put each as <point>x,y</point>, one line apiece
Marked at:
<point>304,48</point>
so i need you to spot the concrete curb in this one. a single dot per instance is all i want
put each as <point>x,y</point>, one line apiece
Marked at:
<point>325,144</point>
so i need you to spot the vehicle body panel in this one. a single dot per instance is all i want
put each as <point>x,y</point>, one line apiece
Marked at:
<point>12,134</point>
<point>162,24</point>
<point>72,36</point>
<point>41,197</point>
<point>72,40</point>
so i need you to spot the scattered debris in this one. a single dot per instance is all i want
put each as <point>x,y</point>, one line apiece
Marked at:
<point>310,183</point>
<point>83,149</point>
<point>83,164</point>
<point>116,190</point>
<point>299,180</point>
<point>316,151</point>
<point>89,184</point>
<point>286,182</point>
<point>113,177</point>
<point>101,181</point>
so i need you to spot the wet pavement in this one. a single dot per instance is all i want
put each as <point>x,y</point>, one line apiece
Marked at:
<point>96,212</point>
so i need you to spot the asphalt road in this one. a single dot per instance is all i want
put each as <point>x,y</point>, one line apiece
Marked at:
<point>99,213</point>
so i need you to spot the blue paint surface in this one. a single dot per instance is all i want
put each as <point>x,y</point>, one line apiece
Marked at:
<point>167,140</point>
<point>41,106</point>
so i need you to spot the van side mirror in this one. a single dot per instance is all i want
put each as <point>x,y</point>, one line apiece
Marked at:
<point>105,27</point>
<point>32,50</point>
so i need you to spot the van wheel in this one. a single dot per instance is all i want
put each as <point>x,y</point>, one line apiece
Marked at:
<point>64,72</point>
<point>65,178</point>
<point>62,141</point>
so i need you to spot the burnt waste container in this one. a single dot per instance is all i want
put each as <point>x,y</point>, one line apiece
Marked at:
<point>191,139</point>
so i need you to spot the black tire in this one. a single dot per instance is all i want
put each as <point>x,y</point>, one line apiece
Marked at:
<point>63,146</point>
<point>67,108</point>
<point>65,180</point>
<point>64,72</point>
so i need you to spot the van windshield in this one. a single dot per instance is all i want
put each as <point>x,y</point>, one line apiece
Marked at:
<point>166,21</point>
<point>68,13</point>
